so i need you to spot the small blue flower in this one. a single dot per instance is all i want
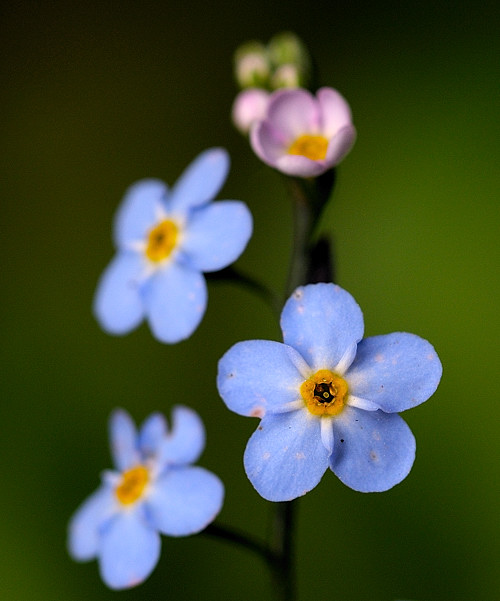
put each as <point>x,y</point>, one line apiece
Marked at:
<point>153,490</point>
<point>327,398</point>
<point>165,240</point>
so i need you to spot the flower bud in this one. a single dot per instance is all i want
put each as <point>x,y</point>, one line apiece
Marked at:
<point>287,48</point>
<point>251,65</point>
<point>250,105</point>
<point>286,76</point>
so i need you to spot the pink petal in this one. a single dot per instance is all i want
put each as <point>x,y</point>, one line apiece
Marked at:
<point>296,164</point>
<point>267,142</point>
<point>335,112</point>
<point>294,113</point>
<point>340,144</point>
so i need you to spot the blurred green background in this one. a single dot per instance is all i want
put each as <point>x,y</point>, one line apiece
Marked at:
<point>96,95</point>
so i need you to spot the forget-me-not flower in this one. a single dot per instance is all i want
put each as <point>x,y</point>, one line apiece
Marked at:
<point>304,135</point>
<point>165,239</point>
<point>152,490</point>
<point>327,398</point>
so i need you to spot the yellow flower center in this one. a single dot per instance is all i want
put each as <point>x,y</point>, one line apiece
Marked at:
<point>324,393</point>
<point>161,240</point>
<point>132,486</point>
<point>311,147</point>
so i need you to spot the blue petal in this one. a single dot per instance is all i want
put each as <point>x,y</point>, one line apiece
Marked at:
<point>257,376</point>
<point>201,180</point>
<point>395,371</point>
<point>285,457</point>
<point>140,210</point>
<point>117,303</point>
<point>123,437</point>
<point>152,433</point>
<point>373,451</point>
<point>217,234</point>
<point>84,526</point>
<point>130,550</point>
<point>186,441</point>
<point>185,500</point>
<point>176,300</point>
<point>323,322</point>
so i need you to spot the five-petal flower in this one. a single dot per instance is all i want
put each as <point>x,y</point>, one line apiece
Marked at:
<point>302,134</point>
<point>153,490</point>
<point>165,240</point>
<point>327,398</point>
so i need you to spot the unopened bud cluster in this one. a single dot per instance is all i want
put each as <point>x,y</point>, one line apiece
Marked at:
<point>283,63</point>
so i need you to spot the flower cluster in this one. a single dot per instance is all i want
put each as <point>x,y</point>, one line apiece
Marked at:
<point>283,62</point>
<point>259,69</point>
<point>165,240</point>
<point>290,129</point>
<point>154,489</point>
<point>327,398</point>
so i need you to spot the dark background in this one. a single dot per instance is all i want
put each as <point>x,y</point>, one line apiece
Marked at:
<point>94,96</point>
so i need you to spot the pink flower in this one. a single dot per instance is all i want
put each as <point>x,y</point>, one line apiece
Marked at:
<point>303,135</point>
<point>249,106</point>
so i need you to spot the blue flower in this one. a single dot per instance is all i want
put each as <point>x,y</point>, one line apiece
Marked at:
<point>165,240</point>
<point>327,398</point>
<point>153,490</point>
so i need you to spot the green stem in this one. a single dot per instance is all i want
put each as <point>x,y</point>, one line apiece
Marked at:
<point>277,555</point>
<point>309,263</point>
<point>241,539</point>
<point>284,551</point>
<point>231,274</point>
<point>303,224</point>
